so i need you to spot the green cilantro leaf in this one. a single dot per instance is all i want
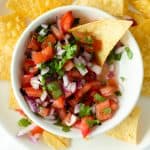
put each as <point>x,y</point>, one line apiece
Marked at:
<point>98,97</point>
<point>66,128</point>
<point>84,110</point>
<point>107,110</point>
<point>122,78</point>
<point>41,38</point>
<point>118,93</point>
<point>129,52</point>
<point>24,122</point>
<point>80,65</point>
<point>92,123</point>
<point>88,39</point>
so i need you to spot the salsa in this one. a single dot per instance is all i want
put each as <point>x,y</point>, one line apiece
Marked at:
<point>62,80</point>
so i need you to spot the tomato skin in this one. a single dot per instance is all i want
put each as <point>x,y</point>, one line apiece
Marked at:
<point>25,80</point>
<point>33,44</point>
<point>37,130</point>
<point>43,56</point>
<point>32,92</point>
<point>59,103</point>
<point>50,38</point>
<point>83,125</point>
<point>100,115</point>
<point>66,21</point>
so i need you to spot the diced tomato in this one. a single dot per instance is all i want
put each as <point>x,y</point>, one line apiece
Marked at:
<point>43,56</point>
<point>114,105</point>
<point>57,32</point>
<point>50,39</point>
<point>44,111</point>
<point>25,80</point>
<point>62,113</point>
<point>20,111</point>
<point>28,63</point>
<point>69,65</point>
<point>32,92</point>
<point>74,75</point>
<point>34,44</point>
<point>59,103</point>
<point>83,125</point>
<point>107,91</point>
<point>67,21</point>
<point>97,45</point>
<point>100,115</point>
<point>37,130</point>
<point>113,82</point>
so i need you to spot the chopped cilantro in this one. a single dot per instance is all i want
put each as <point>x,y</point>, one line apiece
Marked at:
<point>118,93</point>
<point>98,97</point>
<point>122,78</point>
<point>66,128</point>
<point>118,56</point>
<point>129,52</point>
<point>84,110</point>
<point>24,122</point>
<point>92,123</point>
<point>107,110</point>
<point>88,39</point>
<point>41,38</point>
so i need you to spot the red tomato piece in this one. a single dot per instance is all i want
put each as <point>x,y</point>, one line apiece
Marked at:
<point>66,21</point>
<point>28,64</point>
<point>34,44</point>
<point>44,111</point>
<point>59,103</point>
<point>114,105</point>
<point>69,65</point>
<point>37,130</point>
<point>43,56</point>
<point>97,45</point>
<point>62,113</point>
<point>50,39</point>
<point>32,92</point>
<point>21,112</point>
<point>25,80</point>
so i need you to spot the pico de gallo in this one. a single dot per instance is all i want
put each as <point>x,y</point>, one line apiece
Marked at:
<point>62,80</point>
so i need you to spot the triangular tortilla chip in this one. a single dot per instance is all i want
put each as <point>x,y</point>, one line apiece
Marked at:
<point>128,129</point>
<point>109,31</point>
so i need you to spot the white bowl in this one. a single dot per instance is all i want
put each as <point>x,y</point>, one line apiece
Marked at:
<point>132,70</point>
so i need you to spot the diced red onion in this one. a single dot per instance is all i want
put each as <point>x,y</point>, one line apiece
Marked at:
<point>42,32</point>
<point>87,56</point>
<point>45,103</point>
<point>38,101</point>
<point>26,130</point>
<point>45,26</point>
<point>43,96</point>
<point>112,67</point>
<point>67,36</point>
<point>93,109</point>
<point>44,71</point>
<point>77,108</point>
<point>83,72</point>
<point>96,68</point>
<point>59,25</point>
<point>34,138</point>
<point>72,87</point>
<point>82,60</point>
<point>32,104</point>
<point>73,119</point>
<point>120,50</point>
<point>35,83</point>
<point>65,80</point>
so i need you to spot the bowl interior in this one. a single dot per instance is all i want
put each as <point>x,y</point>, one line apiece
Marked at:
<point>132,70</point>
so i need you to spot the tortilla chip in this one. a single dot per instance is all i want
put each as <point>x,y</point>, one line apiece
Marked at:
<point>143,6</point>
<point>108,31</point>
<point>56,142</point>
<point>142,35</point>
<point>34,8</point>
<point>146,87</point>
<point>114,7</point>
<point>128,129</point>
<point>11,26</point>
<point>12,101</point>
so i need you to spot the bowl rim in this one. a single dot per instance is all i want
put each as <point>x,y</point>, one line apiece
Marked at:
<point>13,79</point>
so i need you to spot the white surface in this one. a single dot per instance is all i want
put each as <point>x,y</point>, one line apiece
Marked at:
<point>8,130</point>
<point>131,85</point>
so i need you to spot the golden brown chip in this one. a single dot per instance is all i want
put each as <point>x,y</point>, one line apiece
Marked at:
<point>11,26</point>
<point>56,142</point>
<point>143,6</point>
<point>128,129</point>
<point>142,35</point>
<point>12,101</point>
<point>146,87</point>
<point>34,8</point>
<point>114,7</point>
<point>108,31</point>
